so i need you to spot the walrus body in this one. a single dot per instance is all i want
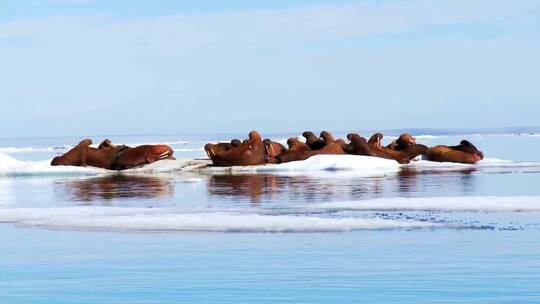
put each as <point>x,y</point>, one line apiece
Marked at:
<point>295,151</point>
<point>360,146</point>
<point>330,146</point>
<point>108,145</point>
<point>314,142</point>
<point>415,150</point>
<point>83,155</point>
<point>465,153</point>
<point>251,152</point>
<point>142,155</point>
<point>375,142</point>
<point>213,149</point>
<point>112,157</point>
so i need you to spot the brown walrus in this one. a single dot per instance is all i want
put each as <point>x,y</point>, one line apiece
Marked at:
<point>83,155</point>
<point>107,145</point>
<point>142,155</point>
<point>330,147</point>
<point>375,142</point>
<point>250,152</point>
<point>295,151</point>
<point>272,148</point>
<point>112,157</point>
<point>361,147</point>
<point>314,142</point>
<point>465,153</point>
<point>406,144</point>
<point>403,141</point>
<point>212,149</point>
<point>347,147</point>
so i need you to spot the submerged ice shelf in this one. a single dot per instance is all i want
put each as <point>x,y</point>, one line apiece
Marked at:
<point>375,214</point>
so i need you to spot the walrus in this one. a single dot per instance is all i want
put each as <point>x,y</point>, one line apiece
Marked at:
<point>272,148</point>
<point>467,147</point>
<point>465,153</point>
<point>112,157</point>
<point>347,147</point>
<point>330,146</point>
<point>107,145</point>
<point>250,152</point>
<point>402,142</point>
<point>83,155</point>
<point>406,144</point>
<point>314,142</point>
<point>361,147</point>
<point>142,155</point>
<point>375,142</point>
<point>295,151</point>
<point>212,149</point>
<point>74,157</point>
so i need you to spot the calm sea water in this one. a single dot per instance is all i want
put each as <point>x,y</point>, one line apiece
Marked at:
<point>427,234</point>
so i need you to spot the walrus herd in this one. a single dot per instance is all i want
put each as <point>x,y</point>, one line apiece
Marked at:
<point>112,157</point>
<point>256,151</point>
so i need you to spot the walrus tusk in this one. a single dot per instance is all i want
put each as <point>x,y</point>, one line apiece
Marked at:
<point>272,148</point>
<point>212,152</point>
<point>164,153</point>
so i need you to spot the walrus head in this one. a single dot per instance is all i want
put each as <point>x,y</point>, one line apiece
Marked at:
<point>405,140</point>
<point>355,137</point>
<point>310,137</point>
<point>327,137</point>
<point>254,136</point>
<point>269,148</point>
<point>292,141</point>
<point>467,146</point>
<point>106,144</point>
<point>209,148</point>
<point>375,140</point>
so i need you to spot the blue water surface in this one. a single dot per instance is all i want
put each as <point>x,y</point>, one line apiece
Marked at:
<point>472,257</point>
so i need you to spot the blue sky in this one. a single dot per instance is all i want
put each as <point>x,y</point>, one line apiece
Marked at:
<point>82,67</point>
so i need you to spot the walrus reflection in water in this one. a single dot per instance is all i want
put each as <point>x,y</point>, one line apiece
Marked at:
<point>112,157</point>
<point>250,152</point>
<point>251,186</point>
<point>112,187</point>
